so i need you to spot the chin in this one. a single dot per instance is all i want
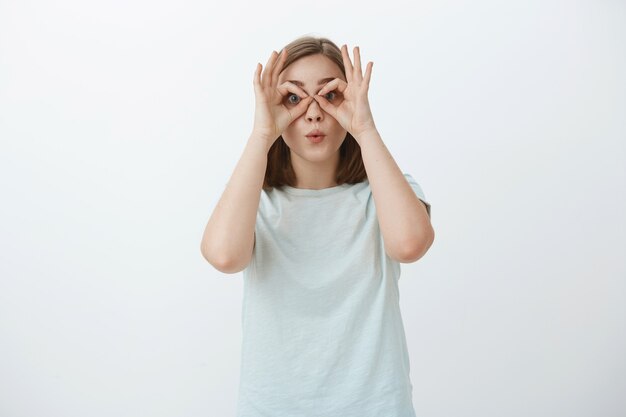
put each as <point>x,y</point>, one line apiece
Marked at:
<point>312,156</point>
<point>315,151</point>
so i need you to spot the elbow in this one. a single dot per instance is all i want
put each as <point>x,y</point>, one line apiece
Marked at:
<point>221,263</point>
<point>414,249</point>
<point>224,264</point>
<point>228,267</point>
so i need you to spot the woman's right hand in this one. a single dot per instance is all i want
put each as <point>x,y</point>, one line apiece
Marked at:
<point>271,116</point>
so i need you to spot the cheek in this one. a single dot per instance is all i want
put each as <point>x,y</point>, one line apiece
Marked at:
<point>295,128</point>
<point>290,135</point>
<point>337,128</point>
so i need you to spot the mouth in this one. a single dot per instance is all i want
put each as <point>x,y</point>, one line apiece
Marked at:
<point>316,138</point>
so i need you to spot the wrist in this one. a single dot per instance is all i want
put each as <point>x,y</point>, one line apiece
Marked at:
<point>261,140</point>
<point>366,133</point>
<point>263,135</point>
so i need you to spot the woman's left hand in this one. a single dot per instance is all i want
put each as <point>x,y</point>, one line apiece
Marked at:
<point>353,113</point>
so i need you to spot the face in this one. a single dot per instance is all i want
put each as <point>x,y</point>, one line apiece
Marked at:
<point>309,70</point>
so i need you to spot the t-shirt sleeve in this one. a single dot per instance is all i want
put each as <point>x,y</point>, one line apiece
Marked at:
<point>418,191</point>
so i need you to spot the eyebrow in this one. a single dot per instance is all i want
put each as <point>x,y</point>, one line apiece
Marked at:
<point>320,82</point>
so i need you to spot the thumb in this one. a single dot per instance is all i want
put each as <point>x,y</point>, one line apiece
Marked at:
<point>324,104</point>
<point>302,106</point>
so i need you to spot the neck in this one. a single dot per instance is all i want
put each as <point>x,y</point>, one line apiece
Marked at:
<point>315,175</point>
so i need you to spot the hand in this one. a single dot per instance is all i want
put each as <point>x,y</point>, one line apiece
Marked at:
<point>271,116</point>
<point>353,113</point>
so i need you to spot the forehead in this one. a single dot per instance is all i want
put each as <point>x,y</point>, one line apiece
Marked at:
<point>310,69</point>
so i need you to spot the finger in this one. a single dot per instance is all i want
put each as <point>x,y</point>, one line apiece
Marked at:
<point>256,80</point>
<point>287,87</point>
<point>301,107</point>
<point>368,73</point>
<point>266,76</point>
<point>346,63</point>
<point>325,105</point>
<point>357,64</point>
<point>337,83</point>
<point>279,66</point>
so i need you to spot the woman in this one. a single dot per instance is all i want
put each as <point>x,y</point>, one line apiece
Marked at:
<point>319,216</point>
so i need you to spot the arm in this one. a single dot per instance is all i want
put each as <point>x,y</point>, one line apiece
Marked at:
<point>403,218</point>
<point>228,238</point>
<point>404,221</point>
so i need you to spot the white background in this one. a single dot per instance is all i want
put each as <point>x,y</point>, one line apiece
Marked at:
<point>121,123</point>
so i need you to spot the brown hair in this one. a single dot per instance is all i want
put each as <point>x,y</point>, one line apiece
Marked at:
<point>279,170</point>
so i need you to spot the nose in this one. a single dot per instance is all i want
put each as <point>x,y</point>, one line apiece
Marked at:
<point>314,112</point>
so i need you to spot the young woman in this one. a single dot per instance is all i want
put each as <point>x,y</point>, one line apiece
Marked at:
<point>319,217</point>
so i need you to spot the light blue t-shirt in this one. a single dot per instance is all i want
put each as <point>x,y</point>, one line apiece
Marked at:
<point>322,330</point>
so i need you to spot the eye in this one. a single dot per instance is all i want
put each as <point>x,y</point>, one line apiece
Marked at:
<point>333,95</point>
<point>292,101</point>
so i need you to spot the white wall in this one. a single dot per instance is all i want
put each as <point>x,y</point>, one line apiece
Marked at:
<point>121,123</point>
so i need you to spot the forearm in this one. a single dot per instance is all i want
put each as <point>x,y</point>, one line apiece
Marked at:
<point>403,219</point>
<point>228,238</point>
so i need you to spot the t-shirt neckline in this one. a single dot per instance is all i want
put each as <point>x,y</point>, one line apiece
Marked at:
<point>311,192</point>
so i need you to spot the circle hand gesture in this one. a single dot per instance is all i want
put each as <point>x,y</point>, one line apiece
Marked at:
<point>271,116</point>
<point>353,113</point>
